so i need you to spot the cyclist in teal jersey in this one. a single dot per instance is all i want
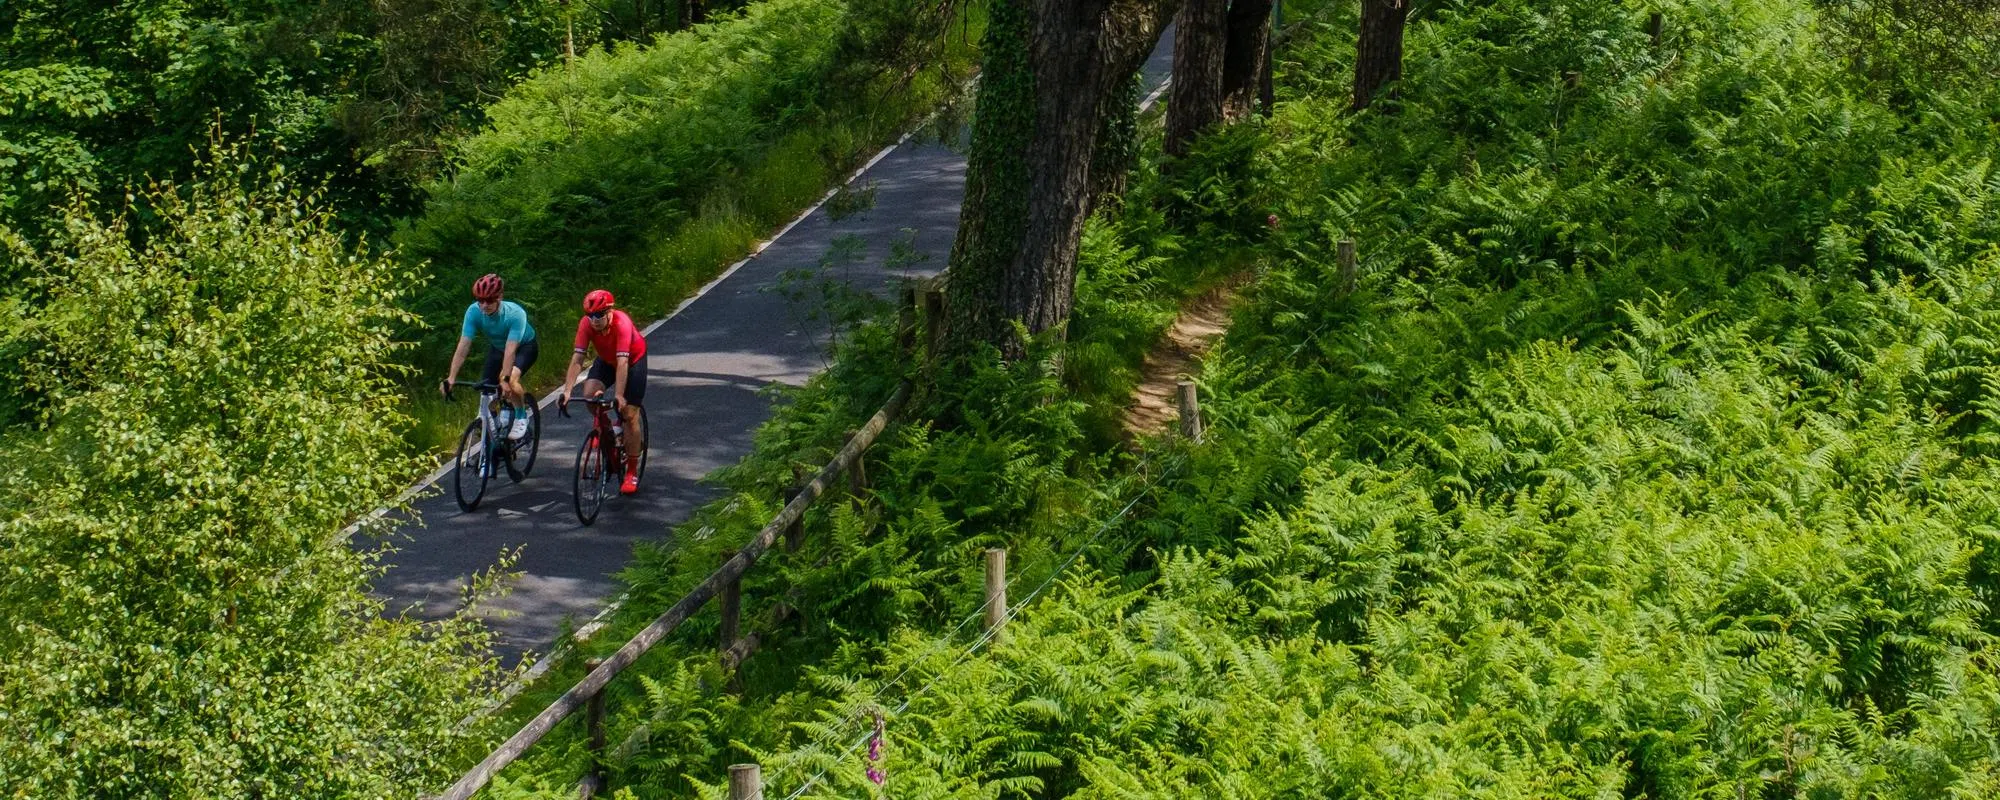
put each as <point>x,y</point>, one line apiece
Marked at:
<point>511,347</point>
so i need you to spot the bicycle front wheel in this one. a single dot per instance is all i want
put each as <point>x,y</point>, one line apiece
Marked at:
<point>590,479</point>
<point>532,444</point>
<point>521,452</point>
<point>468,472</point>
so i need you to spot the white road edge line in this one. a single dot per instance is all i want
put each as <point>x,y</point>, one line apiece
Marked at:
<point>563,647</point>
<point>444,464</point>
<point>1155,96</point>
<point>583,634</point>
<point>542,665</point>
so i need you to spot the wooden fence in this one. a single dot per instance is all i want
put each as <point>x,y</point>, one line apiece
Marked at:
<point>724,584</point>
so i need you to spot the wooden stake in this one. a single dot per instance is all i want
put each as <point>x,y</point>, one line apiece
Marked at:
<point>746,782</point>
<point>1344,254</point>
<point>1190,411</point>
<point>795,533</point>
<point>906,321</point>
<point>996,591</point>
<point>1573,79</point>
<point>857,476</point>
<point>668,621</point>
<point>933,298</point>
<point>730,602</point>
<point>593,722</point>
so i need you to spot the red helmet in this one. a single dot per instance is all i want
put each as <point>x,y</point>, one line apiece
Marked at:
<point>487,287</point>
<point>597,300</point>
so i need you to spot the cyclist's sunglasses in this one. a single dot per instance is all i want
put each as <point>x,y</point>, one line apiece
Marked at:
<point>598,314</point>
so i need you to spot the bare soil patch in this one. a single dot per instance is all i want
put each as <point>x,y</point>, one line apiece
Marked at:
<point>1177,356</point>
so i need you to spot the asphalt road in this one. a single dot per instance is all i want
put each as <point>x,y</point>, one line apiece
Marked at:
<point>709,362</point>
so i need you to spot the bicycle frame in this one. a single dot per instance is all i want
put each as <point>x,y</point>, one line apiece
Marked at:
<point>486,438</point>
<point>489,398</point>
<point>608,452</point>
<point>610,444</point>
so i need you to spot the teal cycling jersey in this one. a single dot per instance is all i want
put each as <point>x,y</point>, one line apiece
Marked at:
<point>509,324</point>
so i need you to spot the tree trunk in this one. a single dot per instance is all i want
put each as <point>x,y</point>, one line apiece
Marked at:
<point>1243,58</point>
<point>1050,67</point>
<point>1194,102</point>
<point>694,12</point>
<point>1378,59</point>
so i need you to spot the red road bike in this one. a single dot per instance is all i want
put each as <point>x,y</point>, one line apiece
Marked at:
<point>600,462</point>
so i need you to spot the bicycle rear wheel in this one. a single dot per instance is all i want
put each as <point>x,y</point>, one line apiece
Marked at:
<point>534,441</point>
<point>588,494</point>
<point>468,472</point>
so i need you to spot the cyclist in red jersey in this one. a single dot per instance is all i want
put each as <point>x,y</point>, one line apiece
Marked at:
<point>620,365</point>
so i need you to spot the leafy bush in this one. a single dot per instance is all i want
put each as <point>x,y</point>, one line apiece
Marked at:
<point>354,93</point>
<point>182,621</point>
<point>581,165</point>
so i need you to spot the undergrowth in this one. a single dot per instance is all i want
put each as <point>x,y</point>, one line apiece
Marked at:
<point>1651,456</point>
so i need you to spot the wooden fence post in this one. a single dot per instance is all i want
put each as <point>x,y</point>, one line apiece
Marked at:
<point>1657,26</point>
<point>1344,254</point>
<point>933,299</point>
<point>857,476</point>
<point>593,724</point>
<point>730,602</point>
<point>906,321</point>
<point>795,533</point>
<point>996,590</point>
<point>1190,411</point>
<point>1573,79</point>
<point>588,690</point>
<point>746,782</point>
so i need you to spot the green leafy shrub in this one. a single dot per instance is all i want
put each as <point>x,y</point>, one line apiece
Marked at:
<point>581,165</point>
<point>356,94</point>
<point>213,407</point>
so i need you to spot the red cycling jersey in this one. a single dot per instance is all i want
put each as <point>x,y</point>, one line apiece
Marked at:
<point>620,338</point>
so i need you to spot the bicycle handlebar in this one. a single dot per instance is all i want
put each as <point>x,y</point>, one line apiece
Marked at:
<point>563,406</point>
<point>482,386</point>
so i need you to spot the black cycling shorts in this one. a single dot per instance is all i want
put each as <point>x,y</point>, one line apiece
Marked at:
<point>606,373</point>
<point>524,357</point>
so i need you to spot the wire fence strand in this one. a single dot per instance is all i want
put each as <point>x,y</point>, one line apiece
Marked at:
<point>987,636</point>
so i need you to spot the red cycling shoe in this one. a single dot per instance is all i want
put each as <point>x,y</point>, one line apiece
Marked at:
<point>631,484</point>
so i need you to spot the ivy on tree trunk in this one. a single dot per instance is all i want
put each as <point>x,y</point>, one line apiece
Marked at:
<point>1050,69</point>
<point>1117,145</point>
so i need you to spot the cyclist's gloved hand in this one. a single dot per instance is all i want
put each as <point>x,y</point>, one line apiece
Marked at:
<point>444,388</point>
<point>620,400</point>
<point>562,403</point>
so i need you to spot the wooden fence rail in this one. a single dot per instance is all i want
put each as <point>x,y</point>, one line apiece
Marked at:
<point>725,577</point>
